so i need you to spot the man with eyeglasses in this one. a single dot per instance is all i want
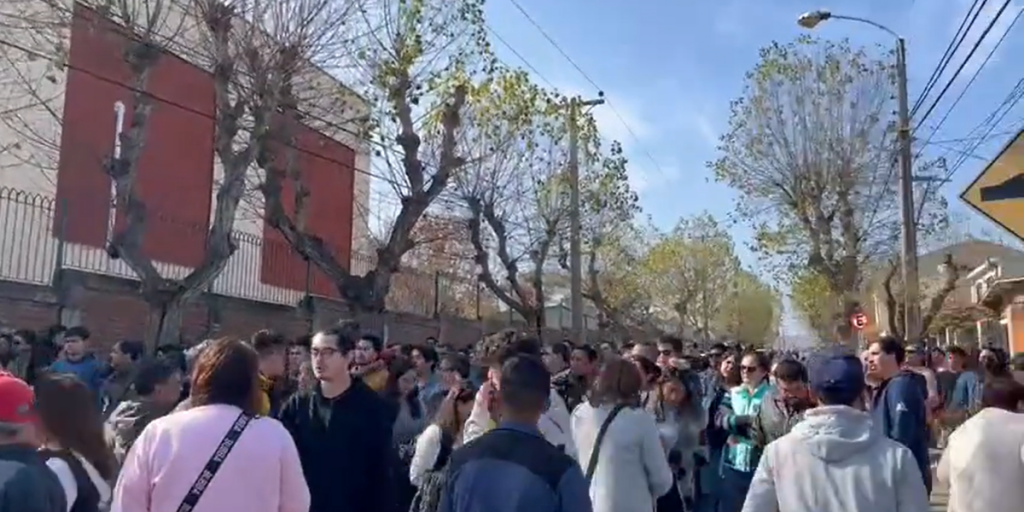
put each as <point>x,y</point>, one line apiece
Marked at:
<point>342,430</point>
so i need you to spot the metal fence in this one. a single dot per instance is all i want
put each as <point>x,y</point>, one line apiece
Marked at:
<point>34,244</point>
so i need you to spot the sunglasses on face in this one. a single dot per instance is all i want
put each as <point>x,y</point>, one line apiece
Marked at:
<point>665,352</point>
<point>750,369</point>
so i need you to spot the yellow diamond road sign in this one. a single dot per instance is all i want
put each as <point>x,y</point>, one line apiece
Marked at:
<point>998,192</point>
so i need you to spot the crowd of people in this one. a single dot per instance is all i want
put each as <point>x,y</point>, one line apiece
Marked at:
<point>337,421</point>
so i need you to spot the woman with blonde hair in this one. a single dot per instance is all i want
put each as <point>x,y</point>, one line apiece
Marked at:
<point>217,455</point>
<point>618,443</point>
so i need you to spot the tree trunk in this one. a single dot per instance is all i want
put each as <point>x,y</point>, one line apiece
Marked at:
<point>163,326</point>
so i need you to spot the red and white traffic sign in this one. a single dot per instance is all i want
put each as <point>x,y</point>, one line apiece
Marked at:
<point>859,320</point>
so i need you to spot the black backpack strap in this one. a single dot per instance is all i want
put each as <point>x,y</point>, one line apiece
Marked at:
<point>88,495</point>
<point>213,465</point>
<point>447,446</point>
<point>592,465</point>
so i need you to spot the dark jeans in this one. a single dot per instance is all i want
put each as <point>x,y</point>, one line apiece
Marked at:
<point>735,485</point>
<point>670,502</point>
<point>708,484</point>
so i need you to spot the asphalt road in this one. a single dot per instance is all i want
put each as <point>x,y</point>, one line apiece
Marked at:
<point>940,495</point>
<point>939,499</point>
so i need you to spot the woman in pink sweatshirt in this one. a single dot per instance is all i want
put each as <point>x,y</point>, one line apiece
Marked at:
<point>218,455</point>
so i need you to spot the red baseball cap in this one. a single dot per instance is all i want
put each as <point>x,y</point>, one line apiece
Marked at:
<point>17,400</point>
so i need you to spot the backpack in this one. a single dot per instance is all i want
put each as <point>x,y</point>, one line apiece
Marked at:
<point>88,499</point>
<point>428,495</point>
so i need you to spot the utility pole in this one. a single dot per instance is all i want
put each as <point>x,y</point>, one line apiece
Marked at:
<point>911,287</point>
<point>911,299</point>
<point>575,227</point>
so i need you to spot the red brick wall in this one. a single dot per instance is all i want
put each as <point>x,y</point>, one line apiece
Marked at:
<point>112,310</point>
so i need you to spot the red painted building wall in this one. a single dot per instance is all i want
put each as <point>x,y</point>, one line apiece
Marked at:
<point>176,167</point>
<point>328,170</point>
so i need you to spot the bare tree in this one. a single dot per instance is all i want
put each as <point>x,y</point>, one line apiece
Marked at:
<point>255,49</point>
<point>414,60</point>
<point>937,292</point>
<point>516,197</point>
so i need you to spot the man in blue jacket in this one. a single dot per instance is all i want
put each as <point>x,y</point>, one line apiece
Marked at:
<point>512,468</point>
<point>898,405</point>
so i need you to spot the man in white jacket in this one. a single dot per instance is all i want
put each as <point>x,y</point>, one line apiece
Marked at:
<point>983,464</point>
<point>553,424</point>
<point>834,461</point>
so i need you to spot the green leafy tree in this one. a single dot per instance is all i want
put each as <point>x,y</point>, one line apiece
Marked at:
<point>751,312</point>
<point>811,151</point>
<point>517,196</point>
<point>608,210</point>
<point>814,300</point>
<point>695,264</point>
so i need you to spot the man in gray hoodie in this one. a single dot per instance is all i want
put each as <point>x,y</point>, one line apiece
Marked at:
<point>834,461</point>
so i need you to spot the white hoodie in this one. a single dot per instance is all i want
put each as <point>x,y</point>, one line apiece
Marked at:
<point>834,461</point>
<point>554,424</point>
<point>983,463</point>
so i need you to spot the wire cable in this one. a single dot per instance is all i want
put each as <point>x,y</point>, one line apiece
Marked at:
<point>967,87</point>
<point>970,54</point>
<point>592,82</point>
<point>442,201</point>
<point>954,45</point>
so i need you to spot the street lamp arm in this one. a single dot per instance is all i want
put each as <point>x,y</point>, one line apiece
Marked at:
<point>867,21</point>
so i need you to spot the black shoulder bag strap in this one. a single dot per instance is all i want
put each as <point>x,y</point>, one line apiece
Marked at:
<point>447,447</point>
<point>213,465</point>
<point>592,465</point>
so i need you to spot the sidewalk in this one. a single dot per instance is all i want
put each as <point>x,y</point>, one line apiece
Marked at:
<point>940,494</point>
<point>940,499</point>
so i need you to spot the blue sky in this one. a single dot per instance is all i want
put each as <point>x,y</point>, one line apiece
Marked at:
<point>670,68</point>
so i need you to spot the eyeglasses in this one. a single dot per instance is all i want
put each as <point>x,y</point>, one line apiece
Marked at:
<point>323,352</point>
<point>750,369</point>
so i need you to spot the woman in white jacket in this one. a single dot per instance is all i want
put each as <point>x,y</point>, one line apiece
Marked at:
<point>630,469</point>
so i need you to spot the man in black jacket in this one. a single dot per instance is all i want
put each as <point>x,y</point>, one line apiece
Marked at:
<point>26,483</point>
<point>342,430</point>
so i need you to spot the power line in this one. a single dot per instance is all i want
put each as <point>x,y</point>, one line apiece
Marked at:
<point>592,82</point>
<point>954,45</point>
<point>515,52</point>
<point>974,77</point>
<point>448,202</point>
<point>970,54</point>
<point>204,115</point>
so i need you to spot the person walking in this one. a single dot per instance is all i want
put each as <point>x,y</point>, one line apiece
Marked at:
<point>619,445</point>
<point>27,484</point>
<point>343,430</point>
<point>218,455</point>
<point>512,468</point>
<point>834,460</point>
<point>983,463</point>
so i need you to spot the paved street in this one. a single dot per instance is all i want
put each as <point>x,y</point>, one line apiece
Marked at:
<point>940,499</point>
<point>940,494</point>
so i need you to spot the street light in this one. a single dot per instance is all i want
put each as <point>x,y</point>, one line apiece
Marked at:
<point>912,304</point>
